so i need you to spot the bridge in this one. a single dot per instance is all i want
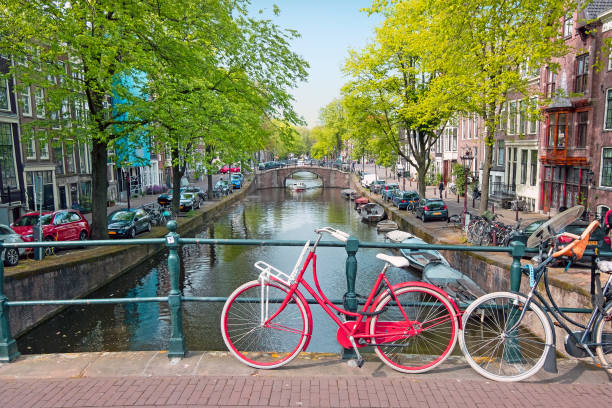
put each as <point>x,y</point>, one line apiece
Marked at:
<point>276,178</point>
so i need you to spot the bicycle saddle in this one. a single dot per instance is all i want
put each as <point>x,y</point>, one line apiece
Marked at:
<point>577,247</point>
<point>605,266</point>
<point>397,261</point>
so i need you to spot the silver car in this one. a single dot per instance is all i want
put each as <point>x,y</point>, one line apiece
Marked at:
<point>10,257</point>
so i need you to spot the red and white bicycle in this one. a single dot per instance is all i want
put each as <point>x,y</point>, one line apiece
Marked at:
<point>267,322</point>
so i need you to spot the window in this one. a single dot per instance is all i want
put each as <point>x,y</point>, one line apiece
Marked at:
<point>551,79</point>
<point>500,153</point>
<point>557,129</point>
<point>5,103</point>
<point>26,102</point>
<point>58,156</point>
<point>551,130</point>
<point>610,62</point>
<point>503,117</point>
<point>521,117</point>
<point>39,98</point>
<point>533,123</point>
<point>581,129</point>
<point>512,126</point>
<point>524,166</point>
<point>7,164</point>
<point>606,166</point>
<point>582,70</point>
<point>31,149</point>
<point>69,151</point>
<point>43,146</point>
<point>475,127</point>
<point>568,26</point>
<point>454,139</point>
<point>534,167</point>
<point>608,121</point>
<point>561,129</point>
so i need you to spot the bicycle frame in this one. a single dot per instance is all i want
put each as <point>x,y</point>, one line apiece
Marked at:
<point>352,329</point>
<point>584,340</point>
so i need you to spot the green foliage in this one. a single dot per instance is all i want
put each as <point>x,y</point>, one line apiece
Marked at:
<point>460,172</point>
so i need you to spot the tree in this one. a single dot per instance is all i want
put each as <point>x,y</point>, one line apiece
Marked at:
<point>480,46</point>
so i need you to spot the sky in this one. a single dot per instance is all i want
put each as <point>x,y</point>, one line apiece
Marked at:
<point>328,29</point>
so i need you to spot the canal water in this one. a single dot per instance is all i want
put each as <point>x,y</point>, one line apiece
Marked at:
<point>208,270</point>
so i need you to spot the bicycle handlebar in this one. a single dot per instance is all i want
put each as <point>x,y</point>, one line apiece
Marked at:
<point>336,233</point>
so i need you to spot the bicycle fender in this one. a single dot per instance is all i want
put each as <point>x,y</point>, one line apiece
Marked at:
<point>308,312</point>
<point>423,285</point>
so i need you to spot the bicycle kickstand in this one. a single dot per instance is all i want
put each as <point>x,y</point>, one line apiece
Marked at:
<point>360,360</point>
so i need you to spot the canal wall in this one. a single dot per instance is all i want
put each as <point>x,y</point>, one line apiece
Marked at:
<point>78,273</point>
<point>491,271</point>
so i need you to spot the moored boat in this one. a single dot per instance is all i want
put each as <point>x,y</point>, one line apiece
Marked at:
<point>420,257</point>
<point>298,186</point>
<point>386,225</point>
<point>453,282</point>
<point>372,212</point>
<point>397,236</point>
<point>359,201</point>
<point>348,193</point>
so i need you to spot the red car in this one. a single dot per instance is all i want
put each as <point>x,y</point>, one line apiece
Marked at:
<point>62,225</point>
<point>224,169</point>
<point>235,168</point>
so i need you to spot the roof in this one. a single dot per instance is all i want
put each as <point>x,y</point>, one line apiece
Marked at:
<point>595,8</point>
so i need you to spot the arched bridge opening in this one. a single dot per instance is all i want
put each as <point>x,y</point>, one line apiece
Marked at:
<point>277,178</point>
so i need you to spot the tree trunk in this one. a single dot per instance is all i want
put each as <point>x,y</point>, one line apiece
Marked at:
<point>209,185</point>
<point>486,170</point>
<point>177,175</point>
<point>99,189</point>
<point>421,173</point>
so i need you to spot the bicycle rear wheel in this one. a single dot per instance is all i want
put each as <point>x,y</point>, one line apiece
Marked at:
<point>494,351</point>
<point>417,336</point>
<point>255,344</point>
<point>603,335</point>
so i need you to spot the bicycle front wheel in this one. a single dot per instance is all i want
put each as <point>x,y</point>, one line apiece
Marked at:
<point>254,341</point>
<point>603,336</point>
<point>496,352</point>
<point>415,333</point>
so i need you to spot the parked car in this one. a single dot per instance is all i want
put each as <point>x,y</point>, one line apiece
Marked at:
<point>401,199</point>
<point>62,225</point>
<point>431,208</point>
<point>236,180</point>
<point>387,191</point>
<point>221,188</point>
<point>376,186</point>
<point>197,190</point>
<point>189,201</point>
<point>165,198</point>
<point>224,169</point>
<point>367,179</point>
<point>11,255</point>
<point>235,168</point>
<point>128,222</point>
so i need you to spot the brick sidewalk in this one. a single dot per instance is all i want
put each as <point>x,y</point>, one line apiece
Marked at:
<point>295,392</point>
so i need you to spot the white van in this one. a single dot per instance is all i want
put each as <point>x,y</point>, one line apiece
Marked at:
<point>368,179</point>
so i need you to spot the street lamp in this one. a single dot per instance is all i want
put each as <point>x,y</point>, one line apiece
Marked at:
<point>466,160</point>
<point>589,175</point>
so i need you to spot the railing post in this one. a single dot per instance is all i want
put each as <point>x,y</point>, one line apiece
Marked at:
<point>8,346</point>
<point>176,346</point>
<point>350,298</point>
<point>518,250</point>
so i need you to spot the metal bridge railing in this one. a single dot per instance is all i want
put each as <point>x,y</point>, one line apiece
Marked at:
<point>176,347</point>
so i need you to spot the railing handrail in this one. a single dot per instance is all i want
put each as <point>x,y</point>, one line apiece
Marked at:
<point>177,348</point>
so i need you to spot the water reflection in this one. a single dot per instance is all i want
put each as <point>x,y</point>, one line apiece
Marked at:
<point>216,271</point>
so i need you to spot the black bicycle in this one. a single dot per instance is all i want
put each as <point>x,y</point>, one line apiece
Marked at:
<point>509,336</point>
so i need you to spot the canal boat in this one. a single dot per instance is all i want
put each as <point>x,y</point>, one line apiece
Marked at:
<point>348,194</point>
<point>453,282</point>
<point>298,186</point>
<point>359,201</point>
<point>418,258</point>
<point>386,226</point>
<point>397,236</point>
<point>372,212</point>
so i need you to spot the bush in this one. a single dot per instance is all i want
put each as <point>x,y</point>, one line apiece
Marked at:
<point>459,173</point>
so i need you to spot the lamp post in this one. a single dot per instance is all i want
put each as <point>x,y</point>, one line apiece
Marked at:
<point>589,180</point>
<point>466,161</point>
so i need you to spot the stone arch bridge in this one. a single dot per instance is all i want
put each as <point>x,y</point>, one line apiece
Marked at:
<point>276,178</point>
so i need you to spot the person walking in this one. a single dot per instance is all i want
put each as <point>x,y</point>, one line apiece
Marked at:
<point>441,188</point>
<point>607,221</point>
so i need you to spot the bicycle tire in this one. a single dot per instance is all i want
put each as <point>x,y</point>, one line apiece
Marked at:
<point>252,343</point>
<point>487,346</point>
<point>485,236</point>
<point>423,351</point>
<point>602,333</point>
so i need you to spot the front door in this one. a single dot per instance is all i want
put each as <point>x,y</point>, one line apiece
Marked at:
<point>62,197</point>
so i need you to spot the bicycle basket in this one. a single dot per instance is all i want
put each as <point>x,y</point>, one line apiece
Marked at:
<point>268,271</point>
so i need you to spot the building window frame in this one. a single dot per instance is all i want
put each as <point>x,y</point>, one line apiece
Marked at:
<point>39,99</point>
<point>512,118</point>
<point>501,149</point>
<point>568,26</point>
<point>557,130</point>
<point>5,95</point>
<point>26,102</point>
<point>534,167</point>
<point>582,73</point>
<point>582,123</point>
<point>524,166</point>
<point>551,80</point>
<point>31,149</point>
<point>605,179</point>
